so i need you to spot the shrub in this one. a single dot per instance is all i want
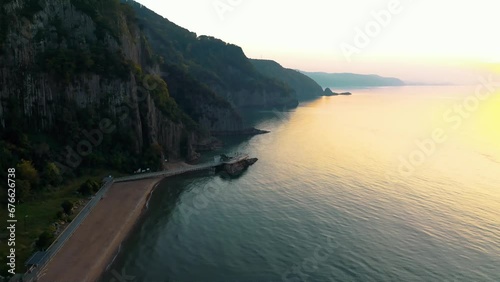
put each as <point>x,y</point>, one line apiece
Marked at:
<point>60,215</point>
<point>44,240</point>
<point>67,207</point>
<point>28,172</point>
<point>52,174</point>
<point>89,187</point>
<point>23,190</point>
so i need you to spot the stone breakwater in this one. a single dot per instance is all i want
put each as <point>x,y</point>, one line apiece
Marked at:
<point>236,169</point>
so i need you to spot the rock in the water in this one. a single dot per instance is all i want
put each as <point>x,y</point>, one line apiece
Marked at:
<point>329,92</point>
<point>238,168</point>
<point>251,161</point>
<point>244,132</point>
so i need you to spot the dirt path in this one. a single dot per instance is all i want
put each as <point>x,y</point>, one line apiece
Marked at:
<point>87,253</point>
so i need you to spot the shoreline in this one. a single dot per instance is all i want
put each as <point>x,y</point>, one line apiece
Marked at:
<point>95,244</point>
<point>132,228</point>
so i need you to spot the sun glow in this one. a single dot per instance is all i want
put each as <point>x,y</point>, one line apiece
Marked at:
<point>401,39</point>
<point>488,120</point>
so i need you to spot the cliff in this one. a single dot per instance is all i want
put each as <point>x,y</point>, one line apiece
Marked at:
<point>68,66</point>
<point>220,66</point>
<point>209,110</point>
<point>304,87</point>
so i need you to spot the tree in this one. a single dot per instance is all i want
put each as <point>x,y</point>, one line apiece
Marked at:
<point>89,187</point>
<point>60,215</point>
<point>153,156</point>
<point>28,172</point>
<point>67,207</point>
<point>6,157</point>
<point>23,189</point>
<point>52,174</point>
<point>44,240</point>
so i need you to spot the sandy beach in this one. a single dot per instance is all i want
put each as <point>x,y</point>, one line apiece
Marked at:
<point>91,248</point>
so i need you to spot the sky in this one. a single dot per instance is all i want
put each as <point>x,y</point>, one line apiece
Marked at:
<point>445,41</point>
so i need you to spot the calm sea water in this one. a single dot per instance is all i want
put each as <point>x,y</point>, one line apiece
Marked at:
<point>390,184</point>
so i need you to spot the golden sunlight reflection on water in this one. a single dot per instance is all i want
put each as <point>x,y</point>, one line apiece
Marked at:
<point>387,135</point>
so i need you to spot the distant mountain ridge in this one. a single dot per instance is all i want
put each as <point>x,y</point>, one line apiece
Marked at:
<point>352,80</point>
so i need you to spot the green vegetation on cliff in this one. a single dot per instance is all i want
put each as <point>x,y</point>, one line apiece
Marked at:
<point>303,86</point>
<point>222,67</point>
<point>106,15</point>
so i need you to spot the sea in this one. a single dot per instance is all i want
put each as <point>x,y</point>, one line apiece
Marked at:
<point>389,184</point>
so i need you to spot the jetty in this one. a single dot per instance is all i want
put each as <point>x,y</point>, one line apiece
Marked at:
<point>217,162</point>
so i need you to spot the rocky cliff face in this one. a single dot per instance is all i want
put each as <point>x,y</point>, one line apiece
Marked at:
<point>212,112</point>
<point>60,58</point>
<point>257,98</point>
